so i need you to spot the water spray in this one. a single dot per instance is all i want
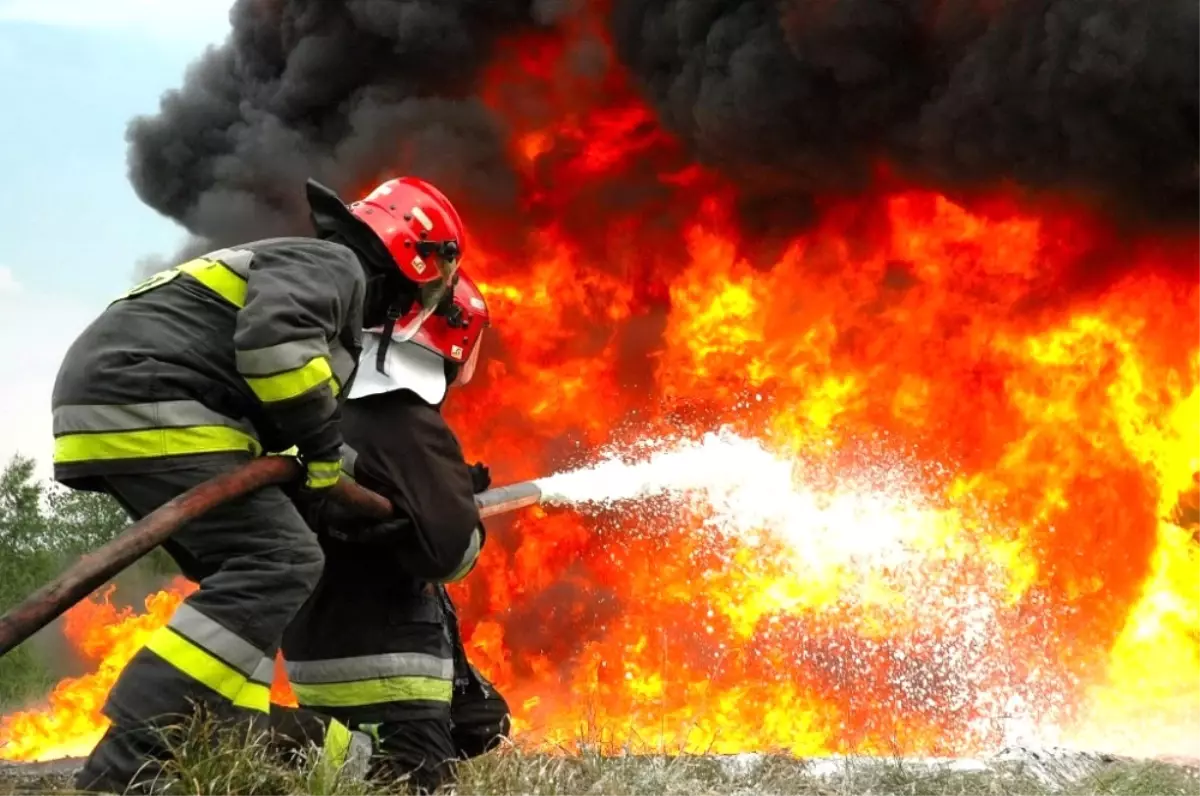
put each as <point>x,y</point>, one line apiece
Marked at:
<point>873,516</point>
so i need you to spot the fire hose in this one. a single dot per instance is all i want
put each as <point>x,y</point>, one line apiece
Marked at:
<point>96,568</point>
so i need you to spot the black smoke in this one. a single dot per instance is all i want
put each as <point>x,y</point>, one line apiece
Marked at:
<point>340,91</point>
<point>1097,99</point>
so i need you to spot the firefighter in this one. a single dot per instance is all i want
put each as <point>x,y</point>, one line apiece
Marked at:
<point>243,351</point>
<point>377,645</point>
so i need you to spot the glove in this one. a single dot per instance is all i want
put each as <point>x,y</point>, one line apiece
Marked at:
<point>481,479</point>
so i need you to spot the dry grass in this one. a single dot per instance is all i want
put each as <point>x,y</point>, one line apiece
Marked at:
<point>212,760</point>
<point>514,772</point>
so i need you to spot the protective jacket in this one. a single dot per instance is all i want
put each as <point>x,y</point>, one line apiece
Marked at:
<point>239,351</point>
<point>372,644</point>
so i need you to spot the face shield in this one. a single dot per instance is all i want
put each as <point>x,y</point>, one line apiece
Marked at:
<point>431,294</point>
<point>467,371</point>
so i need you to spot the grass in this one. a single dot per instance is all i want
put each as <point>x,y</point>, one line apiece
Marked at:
<point>222,760</point>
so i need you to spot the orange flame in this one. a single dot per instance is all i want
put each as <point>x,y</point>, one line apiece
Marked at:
<point>1031,375</point>
<point>106,637</point>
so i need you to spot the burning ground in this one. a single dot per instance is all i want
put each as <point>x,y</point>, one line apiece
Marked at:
<point>926,256</point>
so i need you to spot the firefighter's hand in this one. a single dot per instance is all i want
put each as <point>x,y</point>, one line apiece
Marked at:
<point>481,479</point>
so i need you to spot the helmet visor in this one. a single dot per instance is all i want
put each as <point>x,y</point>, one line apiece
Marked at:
<point>431,294</point>
<point>467,371</point>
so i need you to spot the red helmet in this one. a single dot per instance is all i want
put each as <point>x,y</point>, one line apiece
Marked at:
<point>423,233</point>
<point>456,330</point>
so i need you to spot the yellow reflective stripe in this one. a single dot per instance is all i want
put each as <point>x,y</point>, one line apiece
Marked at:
<point>146,443</point>
<point>373,692</point>
<point>254,696</point>
<point>218,278</point>
<point>151,282</point>
<point>292,383</point>
<point>200,629</point>
<point>201,666</point>
<point>320,483</point>
<point>345,466</point>
<point>323,474</point>
<point>213,274</point>
<point>277,358</point>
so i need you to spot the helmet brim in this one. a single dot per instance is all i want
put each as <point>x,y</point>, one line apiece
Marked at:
<point>330,215</point>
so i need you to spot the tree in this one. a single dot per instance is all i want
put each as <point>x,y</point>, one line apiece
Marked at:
<point>43,528</point>
<point>25,551</point>
<point>21,525</point>
<point>82,521</point>
<point>25,563</point>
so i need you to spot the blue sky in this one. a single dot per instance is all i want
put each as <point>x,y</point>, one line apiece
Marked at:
<point>72,74</point>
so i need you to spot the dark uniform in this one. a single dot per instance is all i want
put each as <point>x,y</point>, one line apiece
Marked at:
<point>377,644</point>
<point>196,370</point>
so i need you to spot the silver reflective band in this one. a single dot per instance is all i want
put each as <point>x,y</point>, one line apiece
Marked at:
<point>370,667</point>
<point>343,363</point>
<point>280,358</point>
<point>264,673</point>
<point>79,418</point>
<point>349,458</point>
<point>468,559</point>
<point>212,637</point>
<point>236,260</point>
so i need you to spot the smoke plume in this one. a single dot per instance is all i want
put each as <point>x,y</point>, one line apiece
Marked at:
<point>1095,98</point>
<point>341,92</point>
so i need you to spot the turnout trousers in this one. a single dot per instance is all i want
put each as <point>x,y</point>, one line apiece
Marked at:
<point>256,562</point>
<point>382,653</point>
<point>419,751</point>
<point>424,750</point>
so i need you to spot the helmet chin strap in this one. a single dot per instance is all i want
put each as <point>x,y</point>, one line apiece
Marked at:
<point>401,302</point>
<point>401,305</point>
<point>389,326</point>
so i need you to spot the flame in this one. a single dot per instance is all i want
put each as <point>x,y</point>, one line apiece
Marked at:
<point>105,637</point>
<point>1011,390</point>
